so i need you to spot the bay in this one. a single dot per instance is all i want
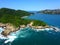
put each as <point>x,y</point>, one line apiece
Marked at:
<point>50,19</point>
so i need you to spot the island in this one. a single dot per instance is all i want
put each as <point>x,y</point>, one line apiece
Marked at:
<point>11,21</point>
<point>50,11</point>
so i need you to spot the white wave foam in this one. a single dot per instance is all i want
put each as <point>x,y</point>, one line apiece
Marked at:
<point>57,29</point>
<point>47,29</point>
<point>1,29</point>
<point>2,37</point>
<point>13,36</point>
<point>10,39</point>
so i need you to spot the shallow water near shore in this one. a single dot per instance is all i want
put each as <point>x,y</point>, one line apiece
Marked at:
<point>28,36</point>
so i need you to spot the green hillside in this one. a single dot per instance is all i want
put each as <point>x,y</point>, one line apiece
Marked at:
<point>14,17</point>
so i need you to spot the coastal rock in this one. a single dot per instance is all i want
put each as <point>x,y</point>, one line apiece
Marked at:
<point>9,28</point>
<point>5,32</point>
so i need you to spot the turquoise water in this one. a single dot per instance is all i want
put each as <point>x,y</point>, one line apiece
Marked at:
<point>28,36</point>
<point>36,38</point>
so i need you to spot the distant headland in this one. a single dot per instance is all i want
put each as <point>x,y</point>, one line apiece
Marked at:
<point>48,11</point>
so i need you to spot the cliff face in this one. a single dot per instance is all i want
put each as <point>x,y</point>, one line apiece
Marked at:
<point>8,28</point>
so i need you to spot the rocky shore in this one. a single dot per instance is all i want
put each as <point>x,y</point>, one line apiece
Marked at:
<point>8,28</point>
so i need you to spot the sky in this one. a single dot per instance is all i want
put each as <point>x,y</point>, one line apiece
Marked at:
<point>30,5</point>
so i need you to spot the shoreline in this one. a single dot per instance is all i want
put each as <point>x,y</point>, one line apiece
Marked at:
<point>11,38</point>
<point>8,28</point>
<point>56,29</point>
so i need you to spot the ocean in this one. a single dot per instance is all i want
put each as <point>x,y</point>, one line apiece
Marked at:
<point>50,19</point>
<point>29,36</point>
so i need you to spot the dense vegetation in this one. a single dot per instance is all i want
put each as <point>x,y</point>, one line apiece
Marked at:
<point>56,11</point>
<point>14,17</point>
<point>38,23</point>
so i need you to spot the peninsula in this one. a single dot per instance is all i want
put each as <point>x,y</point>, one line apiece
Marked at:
<point>11,21</point>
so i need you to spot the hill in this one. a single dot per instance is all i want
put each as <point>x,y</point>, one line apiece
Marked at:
<point>55,11</point>
<point>13,16</point>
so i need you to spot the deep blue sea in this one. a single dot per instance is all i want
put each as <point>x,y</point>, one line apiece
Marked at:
<point>28,36</point>
<point>53,19</point>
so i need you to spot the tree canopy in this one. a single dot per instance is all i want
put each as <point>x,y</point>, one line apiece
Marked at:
<point>12,16</point>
